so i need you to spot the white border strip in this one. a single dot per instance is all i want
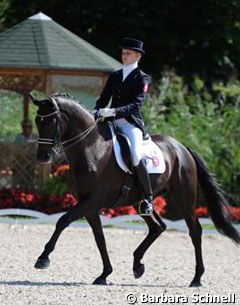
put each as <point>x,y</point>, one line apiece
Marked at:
<point>133,222</point>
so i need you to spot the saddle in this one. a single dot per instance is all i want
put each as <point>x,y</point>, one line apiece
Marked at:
<point>152,154</point>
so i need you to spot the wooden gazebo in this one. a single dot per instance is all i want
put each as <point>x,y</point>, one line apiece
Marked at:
<point>39,54</point>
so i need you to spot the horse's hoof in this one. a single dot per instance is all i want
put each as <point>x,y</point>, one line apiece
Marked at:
<point>139,271</point>
<point>42,263</point>
<point>100,281</point>
<point>195,284</point>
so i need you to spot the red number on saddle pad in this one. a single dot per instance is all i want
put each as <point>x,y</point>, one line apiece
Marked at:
<point>155,161</point>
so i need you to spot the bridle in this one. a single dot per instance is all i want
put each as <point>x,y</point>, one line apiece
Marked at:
<point>58,146</point>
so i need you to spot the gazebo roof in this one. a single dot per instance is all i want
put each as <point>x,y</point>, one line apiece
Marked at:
<point>40,42</point>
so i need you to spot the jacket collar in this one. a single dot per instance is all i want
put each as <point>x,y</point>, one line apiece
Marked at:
<point>130,75</point>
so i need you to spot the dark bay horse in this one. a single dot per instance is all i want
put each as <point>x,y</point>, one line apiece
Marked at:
<point>96,181</point>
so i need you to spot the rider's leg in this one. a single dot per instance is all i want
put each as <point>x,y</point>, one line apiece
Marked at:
<point>136,138</point>
<point>146,206</point>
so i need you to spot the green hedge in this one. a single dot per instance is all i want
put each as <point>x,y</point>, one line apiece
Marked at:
<point>11,114</point>
<point>209,124</point>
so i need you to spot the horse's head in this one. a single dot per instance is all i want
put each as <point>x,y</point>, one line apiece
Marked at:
<point>59,118</point>
<point>48,122</point>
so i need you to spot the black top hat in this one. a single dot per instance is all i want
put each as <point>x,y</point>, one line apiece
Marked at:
<point>133,44</point>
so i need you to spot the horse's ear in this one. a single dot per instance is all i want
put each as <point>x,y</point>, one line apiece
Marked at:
<point>44,102</point>
<point>34,100</point>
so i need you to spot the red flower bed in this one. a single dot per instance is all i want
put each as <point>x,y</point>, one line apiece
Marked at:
<point>16,198</point>
<point>61,171</point>
<point>49,204</point>
<point>202,212</point>
<point>159,204</point>
<point>233,211</point>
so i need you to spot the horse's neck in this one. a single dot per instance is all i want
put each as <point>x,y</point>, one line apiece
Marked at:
<point>79,132</point>
<point>91,149</point>
<point>79,120</point>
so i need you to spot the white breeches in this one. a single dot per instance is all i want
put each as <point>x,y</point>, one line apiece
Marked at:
<point>135,136</point>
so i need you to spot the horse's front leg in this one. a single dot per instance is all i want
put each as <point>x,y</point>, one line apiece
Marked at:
<point>96,225</point>
<point>156,227</point>
<point>74,213</point>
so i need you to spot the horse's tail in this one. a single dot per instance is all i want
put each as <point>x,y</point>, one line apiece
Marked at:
<point>216,202</point>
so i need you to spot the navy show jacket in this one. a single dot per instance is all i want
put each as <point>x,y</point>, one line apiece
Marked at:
<point>127,96</point>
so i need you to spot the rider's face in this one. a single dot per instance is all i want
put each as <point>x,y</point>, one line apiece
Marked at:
<point>130,56</point>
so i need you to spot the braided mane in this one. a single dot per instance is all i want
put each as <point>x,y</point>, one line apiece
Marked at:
<point>64,94</point>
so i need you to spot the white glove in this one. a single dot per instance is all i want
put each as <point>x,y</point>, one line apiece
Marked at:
<point>96,114</point>
<point>107,112</point>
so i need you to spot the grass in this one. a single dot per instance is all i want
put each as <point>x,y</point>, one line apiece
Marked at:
<point>135,222</point>
<point>82,220</point>
<point>208,226</point>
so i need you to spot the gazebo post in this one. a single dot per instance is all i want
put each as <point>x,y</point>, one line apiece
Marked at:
<point>25,106</point>
<point>48,85</point>
<point>44,171</point>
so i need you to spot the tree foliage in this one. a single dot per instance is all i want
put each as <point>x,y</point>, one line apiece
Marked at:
<point>3,8</point>
<point>11,115</point>
<point>208,125</point>
<point>194,37</point>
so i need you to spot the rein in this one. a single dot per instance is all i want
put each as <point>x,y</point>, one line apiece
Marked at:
<point>79,137</point>
<point>56,142</point>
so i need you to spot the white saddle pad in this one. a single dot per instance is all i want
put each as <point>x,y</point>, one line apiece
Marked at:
<point>153,156</point>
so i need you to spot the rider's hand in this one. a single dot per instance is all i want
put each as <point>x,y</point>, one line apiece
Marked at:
<point>96,114</point>
<point>107,112</point>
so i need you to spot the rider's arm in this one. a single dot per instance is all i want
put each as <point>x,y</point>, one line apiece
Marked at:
<point>137,101</point>
<point>106,94</point>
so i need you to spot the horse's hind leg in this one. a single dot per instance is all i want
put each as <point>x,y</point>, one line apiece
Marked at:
<point>183,194</point>
<point>195,232</point>
<point>156,227</point>
<point>96,225</point>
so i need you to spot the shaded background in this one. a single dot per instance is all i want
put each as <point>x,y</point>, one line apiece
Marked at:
<point>193,37</point>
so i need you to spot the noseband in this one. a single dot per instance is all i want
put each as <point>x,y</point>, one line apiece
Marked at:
<point>58,146</point>
<point>57,137</point>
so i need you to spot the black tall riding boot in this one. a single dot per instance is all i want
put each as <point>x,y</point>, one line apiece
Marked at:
<point>146,206</point>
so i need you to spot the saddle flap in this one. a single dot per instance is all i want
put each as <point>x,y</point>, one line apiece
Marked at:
<point>152,154</point>
<point>153,157</point>
<point>117,150</point>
